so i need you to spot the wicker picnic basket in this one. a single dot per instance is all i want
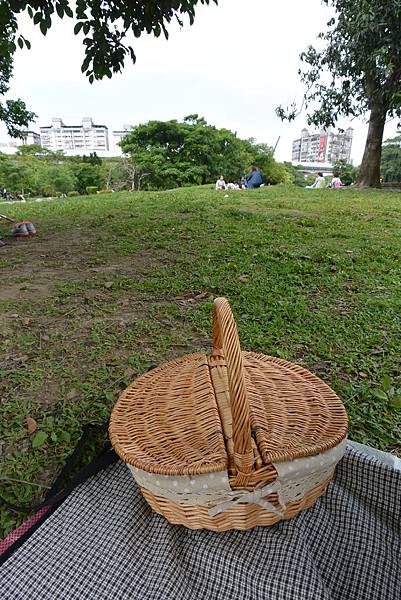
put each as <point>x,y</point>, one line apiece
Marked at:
<point>233,440</point>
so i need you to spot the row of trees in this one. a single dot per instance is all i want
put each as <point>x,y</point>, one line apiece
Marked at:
<point>355,70</point>
<point>37,171</point>
<point>162,155</point>
<point>159,155</point>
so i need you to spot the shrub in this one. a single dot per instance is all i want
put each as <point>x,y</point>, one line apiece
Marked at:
<point>105,191</point>
<point>72,194</point>
<point>91,189</point>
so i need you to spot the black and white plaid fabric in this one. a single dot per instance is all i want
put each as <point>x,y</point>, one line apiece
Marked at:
<point>104,543</point>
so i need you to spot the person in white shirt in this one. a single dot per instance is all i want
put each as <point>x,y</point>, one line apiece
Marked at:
<point>320,182</point>
<point>220,183</point>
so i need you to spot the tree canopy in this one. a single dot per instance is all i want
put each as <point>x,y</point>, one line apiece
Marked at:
<point>358,70</point>
<point>167,154</point>
<point>191,152</point>
<point>105,25</point>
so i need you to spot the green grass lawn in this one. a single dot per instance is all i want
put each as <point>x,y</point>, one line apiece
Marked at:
<point>114,283</point>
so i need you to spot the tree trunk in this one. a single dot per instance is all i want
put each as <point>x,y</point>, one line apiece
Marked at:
<point>369,172</point>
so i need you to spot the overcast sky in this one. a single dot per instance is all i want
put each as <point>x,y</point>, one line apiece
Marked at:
<point>233,66</point>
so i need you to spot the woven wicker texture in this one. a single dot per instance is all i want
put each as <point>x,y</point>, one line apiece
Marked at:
<point>238,517</point>
<point>232,410</point>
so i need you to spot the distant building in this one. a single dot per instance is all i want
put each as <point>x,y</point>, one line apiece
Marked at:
<point>325,147</point>
<point>120,133</point>
<point>80,138</point>
<point>31,138</point>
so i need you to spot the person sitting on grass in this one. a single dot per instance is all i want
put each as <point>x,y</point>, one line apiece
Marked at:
<point>220,183</point>
<point>336,181</point>
<point>319,182</point>
<point>254,178</point>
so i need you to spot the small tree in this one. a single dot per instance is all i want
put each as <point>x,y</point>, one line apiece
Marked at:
<point>357,71</point>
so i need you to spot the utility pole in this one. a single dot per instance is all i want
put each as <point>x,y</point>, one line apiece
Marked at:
<point>278,139</point>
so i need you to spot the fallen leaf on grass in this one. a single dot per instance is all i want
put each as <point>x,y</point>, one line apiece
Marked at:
<point>39,439</point>
<point>396,402</point>
<point>25,321</point>
<point>31,425</point>
<point>129,372</point>
<point>72,394</point>
<point>108,284</point>
<point>243,278</point>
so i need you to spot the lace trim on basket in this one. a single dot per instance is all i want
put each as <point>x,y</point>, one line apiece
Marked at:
<point>295,478</point>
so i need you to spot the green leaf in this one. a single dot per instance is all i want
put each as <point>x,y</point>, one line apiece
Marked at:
<point>65,436</point>
<point>68,11</point>
<point>39,439</point>
<point>377,393</point>
<point>60,10</point>
<point>386,383</point>
<point>78,27</point>
<point>43,27</point>
<point>20,43</point>
<point>37,18</point>
<point>396,402</point>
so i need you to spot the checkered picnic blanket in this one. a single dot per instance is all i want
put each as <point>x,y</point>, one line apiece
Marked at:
<point>104,543</point>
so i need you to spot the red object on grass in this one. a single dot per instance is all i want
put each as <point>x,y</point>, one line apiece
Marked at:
<point>21,530</point>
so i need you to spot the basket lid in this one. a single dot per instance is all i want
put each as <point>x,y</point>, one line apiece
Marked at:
<point>231,410</point>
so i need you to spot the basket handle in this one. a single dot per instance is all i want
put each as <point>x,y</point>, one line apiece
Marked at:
<point>226,342</point>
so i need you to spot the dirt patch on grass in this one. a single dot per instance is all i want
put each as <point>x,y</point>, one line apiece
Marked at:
<point>39,265</point>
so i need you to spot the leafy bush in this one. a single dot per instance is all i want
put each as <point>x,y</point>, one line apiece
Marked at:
<point>91,189</point>
<point>272,171</point>
<point>347,172</point>
<point>391,160</point>
<point>72,194</point>
<point>297,174</point>
<point>310,179</point>
<point>105,191</point>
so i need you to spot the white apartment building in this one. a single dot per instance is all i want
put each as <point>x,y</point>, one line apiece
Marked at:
<point>324,147</point>
<point>120,133</point>
<point>80,138</point>
<point>31,137</point>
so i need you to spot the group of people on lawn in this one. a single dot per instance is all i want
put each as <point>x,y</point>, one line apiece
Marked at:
<point>320,182</point>
<point>253,180</point>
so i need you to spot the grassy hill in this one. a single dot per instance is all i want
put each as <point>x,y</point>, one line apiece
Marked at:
<point>115,282</point>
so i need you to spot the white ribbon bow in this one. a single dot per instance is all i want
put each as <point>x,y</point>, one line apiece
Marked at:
<point>255,497</point>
